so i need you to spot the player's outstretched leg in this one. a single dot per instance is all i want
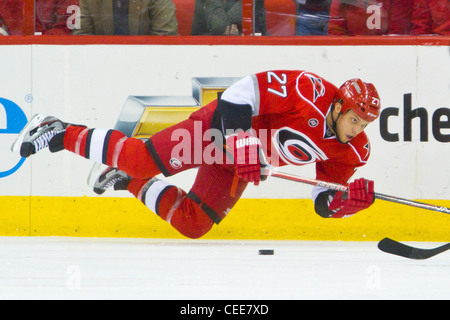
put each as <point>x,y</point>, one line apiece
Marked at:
<point>104,146</point>
<point>173,205</point>
<point>37,134</point>
<point>109,147</point>
<point>169,202</point>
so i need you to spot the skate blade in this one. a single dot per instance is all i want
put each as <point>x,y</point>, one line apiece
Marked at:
<point>95,172</point>
<point>34,122</point>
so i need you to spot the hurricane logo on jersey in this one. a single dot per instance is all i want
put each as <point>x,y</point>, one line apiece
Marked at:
<point>296,148</point>
<point>319,88</point>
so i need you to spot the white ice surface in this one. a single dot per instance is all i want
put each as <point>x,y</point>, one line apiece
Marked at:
<point>96,268</point>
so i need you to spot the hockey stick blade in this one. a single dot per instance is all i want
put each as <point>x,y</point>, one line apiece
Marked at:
<point>399,249</point>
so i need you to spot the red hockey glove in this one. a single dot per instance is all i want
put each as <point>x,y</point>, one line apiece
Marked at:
<point>359,196</point>
<point>244,149</point>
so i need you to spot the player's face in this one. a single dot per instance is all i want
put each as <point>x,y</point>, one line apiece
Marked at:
<point>349,125</point>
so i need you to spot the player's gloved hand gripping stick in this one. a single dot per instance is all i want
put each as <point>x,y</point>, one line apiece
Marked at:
<point>250,163</point>
<point>270,171</point>
<point>358,196</point>
<point>245,151</point>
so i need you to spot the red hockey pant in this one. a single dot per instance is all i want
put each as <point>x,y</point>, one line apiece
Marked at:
<point>216,188</point>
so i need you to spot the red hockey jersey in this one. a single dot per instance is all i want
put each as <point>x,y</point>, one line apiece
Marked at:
<point>289,117</point>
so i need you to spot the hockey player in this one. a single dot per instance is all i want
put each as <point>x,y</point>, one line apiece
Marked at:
<point>274,118</point>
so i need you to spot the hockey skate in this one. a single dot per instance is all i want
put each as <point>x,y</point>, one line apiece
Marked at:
<point>111,177</point>
<point>37,134</point>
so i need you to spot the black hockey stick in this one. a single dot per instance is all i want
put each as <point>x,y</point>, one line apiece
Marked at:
<point>334,186</point>
<point>399,249</point>
<point>386,245</point>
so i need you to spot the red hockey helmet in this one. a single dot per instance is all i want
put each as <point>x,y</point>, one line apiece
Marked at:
<point>361,97</point>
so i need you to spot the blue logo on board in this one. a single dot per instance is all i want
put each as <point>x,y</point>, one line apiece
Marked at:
<point>12,121</point>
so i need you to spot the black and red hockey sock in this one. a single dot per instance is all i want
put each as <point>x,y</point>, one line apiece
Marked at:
<point>112,148</point>
<point>171,204</point>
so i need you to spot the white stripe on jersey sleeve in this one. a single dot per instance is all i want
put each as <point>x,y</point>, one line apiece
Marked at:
<point>243,92</point>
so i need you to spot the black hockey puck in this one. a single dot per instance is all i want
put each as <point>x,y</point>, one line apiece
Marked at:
<point>266,252</point>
